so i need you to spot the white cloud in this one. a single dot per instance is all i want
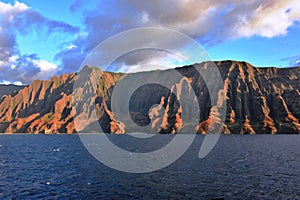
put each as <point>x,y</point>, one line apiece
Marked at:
<point>11,61</point>
<point>44,66</point>
<point>217,19</point>
<point>149,59</point>
<point>12,9</point>
<point>271,19</point>
<point>209,22</point>
<point>26,69</point>
<point>71,47</point>
<point>46,69</point>
<point>5,82</point>
<point>18,83</point>
<point>8,46</point>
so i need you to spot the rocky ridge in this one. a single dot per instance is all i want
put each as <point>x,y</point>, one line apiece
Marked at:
<point>258,100</point>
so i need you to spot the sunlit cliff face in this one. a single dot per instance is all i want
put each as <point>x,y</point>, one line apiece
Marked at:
<point>259,100</point>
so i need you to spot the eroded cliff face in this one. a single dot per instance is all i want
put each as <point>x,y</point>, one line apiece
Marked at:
<point>41,107</point>
<point>261,100</point>
<point>9,89</point>
<point>258,100</point>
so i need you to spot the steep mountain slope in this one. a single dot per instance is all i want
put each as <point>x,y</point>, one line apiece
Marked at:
<point>9,89</point>
<point>259,100</point>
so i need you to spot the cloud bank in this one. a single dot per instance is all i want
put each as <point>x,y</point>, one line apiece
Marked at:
<point>208,22</point>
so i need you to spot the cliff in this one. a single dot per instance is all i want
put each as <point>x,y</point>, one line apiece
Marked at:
<point>9,89</point>
<point>259,100</point>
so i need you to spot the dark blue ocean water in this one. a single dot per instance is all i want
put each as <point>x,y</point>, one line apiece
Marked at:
<point>239,167</point>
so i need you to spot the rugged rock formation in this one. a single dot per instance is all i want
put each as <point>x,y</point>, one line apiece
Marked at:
<point>41,107</point>
<point>259,100</point>
<point>9,89</point>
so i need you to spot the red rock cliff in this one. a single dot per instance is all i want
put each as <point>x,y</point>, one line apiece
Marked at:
<point>259,100</point>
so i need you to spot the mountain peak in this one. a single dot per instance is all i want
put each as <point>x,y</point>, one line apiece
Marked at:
<point>259,100</point>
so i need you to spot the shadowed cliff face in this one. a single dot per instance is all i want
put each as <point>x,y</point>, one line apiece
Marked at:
<point>258,100</point>
<point>9,89</point>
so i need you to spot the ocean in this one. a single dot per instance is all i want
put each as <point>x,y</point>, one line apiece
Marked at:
<point>239,167</point>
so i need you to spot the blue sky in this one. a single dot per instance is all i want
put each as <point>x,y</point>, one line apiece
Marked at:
<point>39,39</point>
